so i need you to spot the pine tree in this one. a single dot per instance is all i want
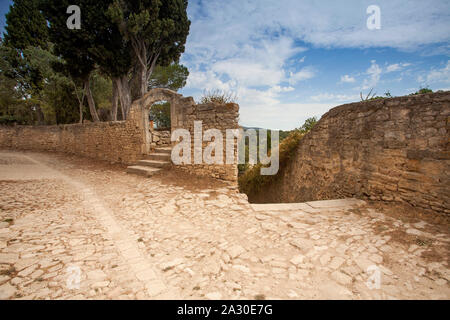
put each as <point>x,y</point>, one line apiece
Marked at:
<point>156,30</point>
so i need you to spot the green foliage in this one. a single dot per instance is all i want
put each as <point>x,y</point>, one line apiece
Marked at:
<point>160,114</point>
<point>9,100</point>
<point>218,96</point>
<point>308,125</point>
<point>7,120</point>
<point>245,166</point>
<point>25,25</point>
<point>155,30</point>
<point>422,91</point>
<point>73,45</point>
<point>102,90</point>
<point>161,25</point>
<point>42,80</point>
<point>251,181</point>
<point>172,77</point>
<point>371,96</point>
<point>32,91</point>
<point>284,134</point>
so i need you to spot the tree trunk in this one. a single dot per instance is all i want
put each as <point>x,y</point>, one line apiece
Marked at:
<point>90,99</point>
<point>123,90</point>
<point>81,112</point>
<point>142,81</point>
<point>40,115</point>
<point>115,101</point>
<point>80,101</point>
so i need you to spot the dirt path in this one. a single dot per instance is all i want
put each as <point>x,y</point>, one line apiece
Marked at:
<point>76,228</point>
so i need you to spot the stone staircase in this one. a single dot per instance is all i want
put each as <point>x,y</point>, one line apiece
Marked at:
<point>152,163</point>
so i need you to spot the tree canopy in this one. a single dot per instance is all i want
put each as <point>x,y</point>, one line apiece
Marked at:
<point>26,26</point>
<point>49,68</point>
<point>156,31</point>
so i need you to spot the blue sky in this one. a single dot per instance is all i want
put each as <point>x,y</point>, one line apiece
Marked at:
<point>287,60</point>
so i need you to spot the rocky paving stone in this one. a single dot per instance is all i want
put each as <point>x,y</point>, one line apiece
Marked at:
<point>129,237</point>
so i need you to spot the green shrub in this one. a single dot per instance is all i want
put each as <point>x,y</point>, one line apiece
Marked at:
<point>252,181</point>
<point>422,91</point>
<point>160,114</point>
<point>7,120</point>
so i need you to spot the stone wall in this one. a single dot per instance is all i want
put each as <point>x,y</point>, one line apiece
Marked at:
<point>130,140</point>
<point>389,149</point>
<point>183,112</point>
<point>112,141</point>
<point>212,116</point>
<point>160,138</point>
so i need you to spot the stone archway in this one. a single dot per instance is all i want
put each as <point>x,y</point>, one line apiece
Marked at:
<point>139,112</point>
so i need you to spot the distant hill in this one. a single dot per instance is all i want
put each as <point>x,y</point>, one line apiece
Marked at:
<point>283,134</point>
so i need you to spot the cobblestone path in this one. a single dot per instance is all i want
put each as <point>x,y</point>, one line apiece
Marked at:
<point>72,228</point>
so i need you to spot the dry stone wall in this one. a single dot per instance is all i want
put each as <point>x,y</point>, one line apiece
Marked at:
<point>160,138</point>
<point>111,141</point>
<point>212,116</point>
<point>389,149</point>
<point>130,140</point>
<point>183,112</point>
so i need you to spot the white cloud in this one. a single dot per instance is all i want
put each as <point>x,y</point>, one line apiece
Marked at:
<point>251,47</point>
<point>260,64</point>
<point>374,73</point>
<point>436,75</point>
<point>330,97</point>
<point>249,73</point>
<point>207,81</point>
<point>347,79</point>
<point>282,116</point>
<point>278,89</point>
<point>227,25</point>
<point>304,74</point>
<point>393,67</point>
<point>263,109</point>
<point>396,67</point>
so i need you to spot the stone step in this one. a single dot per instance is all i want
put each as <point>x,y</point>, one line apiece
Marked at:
<point>158,156</point>
<point>143,170</point>
<point>307,206</point>
<point>153,163</point>
<point>163,150</point>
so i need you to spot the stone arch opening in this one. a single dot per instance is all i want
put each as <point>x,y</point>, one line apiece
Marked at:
<point>141,112</point>
<point>160,124</point>
<point>159,116</point>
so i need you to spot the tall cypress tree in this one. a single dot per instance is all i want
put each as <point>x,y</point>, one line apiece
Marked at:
<point>26,25</point>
